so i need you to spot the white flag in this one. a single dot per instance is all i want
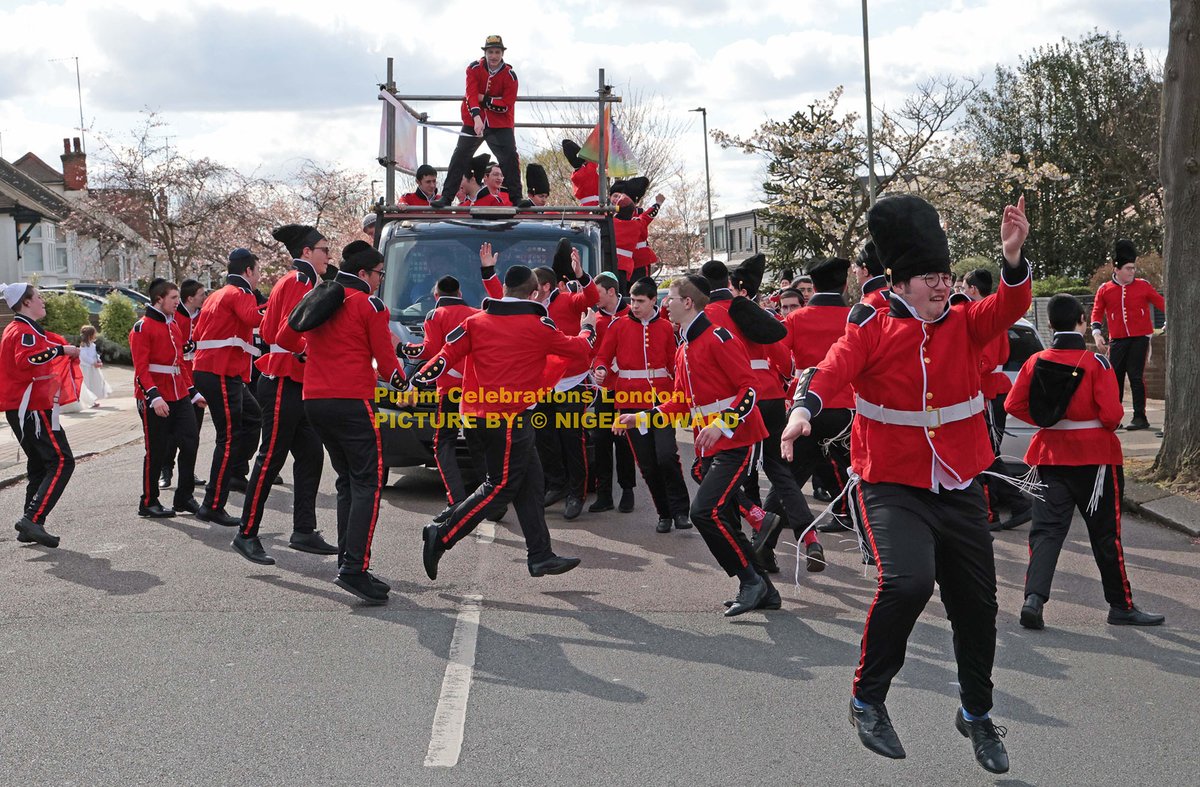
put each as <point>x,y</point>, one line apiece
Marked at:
<point>405,149</point>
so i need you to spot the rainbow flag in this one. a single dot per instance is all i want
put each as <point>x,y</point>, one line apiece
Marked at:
<point>620,163</point>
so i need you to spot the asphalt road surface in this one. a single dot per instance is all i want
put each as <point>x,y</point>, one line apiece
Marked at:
<point>146,651</point>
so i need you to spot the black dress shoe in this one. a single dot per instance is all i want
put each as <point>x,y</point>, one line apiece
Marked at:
<point>552,565</point>
<point>156,511</point>
<point>189,506</point>
<point>821,495</point>
<point>663,526</point>
<point>831,525</point>
<point>198,481</point>
<point>496,513</point>
<point>312,543</point>
<point>682,522</point>
<point>603,503</point>
<point>573,508</point>
<point>164,480</point>
<point>525,203</point>
<point>432,551</point>
<point>626,504</point>
<point>770,526</point>
<point>1031,612</point>
<point>985,738</point>
<point>875,730</point>
<point>769,563</point>
<point>1022,512</point>
<point>237,484</point>
<point>1138,423</point>
<point>30,532</point>
<point>1134,617</point>
<point>360,584</point>
<point>444,515</point>
<point>218,517</point>
<point>377,582</point>
<point>771,600</point>
<point>750,595</point>
<point>553,496</point>
<point>251,548</point>
<point>438,202</point>
<point>814,555</point>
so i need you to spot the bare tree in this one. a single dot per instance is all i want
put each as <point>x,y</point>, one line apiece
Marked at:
<point>677,235</point>
<point>1179,168</point>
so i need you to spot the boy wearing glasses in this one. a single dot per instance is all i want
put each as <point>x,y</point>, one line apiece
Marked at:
<point>1125,302</point>
<point>918,442</point>
<point>285,427</point>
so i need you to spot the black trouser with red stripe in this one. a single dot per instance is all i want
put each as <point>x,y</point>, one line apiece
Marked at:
<point>607,444</point>
<point>49,461</point>
<point>785,495</point>
<point>513,474</point>
<point>658,458</point>
<point>997,492</point>
<point>348,430</point>
<point>169,465</point>
<point>236,418</point>
<point>714,509</point>
<point>563,448</point>
<point>1128,357</point>
<point>1069,488</point>
<point>445,447</point>
<point>285,429</point>
<point>919,537</point>
<point>503,144</point>
<point>163,435</point>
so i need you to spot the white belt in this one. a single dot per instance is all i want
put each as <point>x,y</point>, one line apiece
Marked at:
<point>760,363</point>
<point>643,245</point>
<point>714,408</point>
<point>1066,424</point>
<point>590,201</point>
<point>642,374</point>
<point>275,348</point>
<point>159,368</point>
<point>624,253</point>
<point>455,373</point>
<point>216,344</point>
<point>998,370</point>
<point>934,416</point>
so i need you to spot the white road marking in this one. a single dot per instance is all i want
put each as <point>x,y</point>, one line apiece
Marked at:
<point>445,742</point>
<point>486,532</point>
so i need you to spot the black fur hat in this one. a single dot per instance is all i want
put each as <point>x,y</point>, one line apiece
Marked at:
<point>751,271</point>
<point>909,237</point>
<point>716,273</point>
<point>1124,251</point>
<point>571,150</point>
<point>562,261</point>
<point>317,306</point>
<point>297,237</point>
<point>869,259</point>
<point>829,275</point>
<point>755,323</point>
<point>359,255</point>
<point>536,180</point>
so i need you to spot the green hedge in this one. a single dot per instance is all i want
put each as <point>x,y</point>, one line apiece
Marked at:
<point>117,319</point>
<point>1053,285</point>
<point>65,313</point>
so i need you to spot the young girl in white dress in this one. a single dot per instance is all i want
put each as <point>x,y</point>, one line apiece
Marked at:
<point>90,363</point>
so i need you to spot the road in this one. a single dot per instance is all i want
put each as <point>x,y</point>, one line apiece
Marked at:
<point>147,651</point>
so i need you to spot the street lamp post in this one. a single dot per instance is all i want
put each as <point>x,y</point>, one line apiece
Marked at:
<point>870,127</point>
<point>707,179</point>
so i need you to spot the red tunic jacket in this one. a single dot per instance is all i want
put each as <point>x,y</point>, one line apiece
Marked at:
<point>643,255</point>
<point>585,183</point>
<point>713,378</point>
<point>992,379</point>
<point>416,198</point>
<point>1095,400</point>
<point>504,351</point>
<point>626,235</point>
<point>566,308</point>
<point>813,330</point>
<point>874,292</point>
<point>896,361</point>
<point>224,331</point>
<point>341,349</point>
<point>287,292</point>
<point>158,367</point>
<point>499,95</point>
<point>640,360</point>
<point>486,198</point>
<point>771,363</point>
<point>26,352</point>
<point>447,314</point>
<point>1127,308</point>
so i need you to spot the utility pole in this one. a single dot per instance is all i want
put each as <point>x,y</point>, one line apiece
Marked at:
<point>79,94</point>
<point>707,179</point>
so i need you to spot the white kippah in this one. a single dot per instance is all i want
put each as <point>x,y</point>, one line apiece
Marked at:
<point>13,293</point>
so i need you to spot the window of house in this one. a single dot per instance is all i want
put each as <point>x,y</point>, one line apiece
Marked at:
<point>46,250</point>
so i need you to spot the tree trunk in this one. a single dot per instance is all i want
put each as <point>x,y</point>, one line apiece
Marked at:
<point>1179,167</point>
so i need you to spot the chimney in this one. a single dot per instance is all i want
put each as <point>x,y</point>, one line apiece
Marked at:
<point>74,163</point>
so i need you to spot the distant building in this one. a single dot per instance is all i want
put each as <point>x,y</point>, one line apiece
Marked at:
<point>736,236</point>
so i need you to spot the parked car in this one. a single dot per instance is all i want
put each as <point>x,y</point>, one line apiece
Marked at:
<point>102,289</point>
<point>1023,343</point>
<point>95,302</point>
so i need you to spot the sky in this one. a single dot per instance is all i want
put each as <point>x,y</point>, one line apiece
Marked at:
<point>263,85</point>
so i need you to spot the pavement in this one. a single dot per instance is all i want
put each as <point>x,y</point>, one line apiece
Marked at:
<point>147,651</point>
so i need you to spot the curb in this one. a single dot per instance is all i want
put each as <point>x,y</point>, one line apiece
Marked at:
<point>1146,511</point>
<point>17,476</point>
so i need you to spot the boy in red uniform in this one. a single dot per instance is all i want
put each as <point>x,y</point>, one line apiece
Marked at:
<point>224,335</point>
<point>426,189</point>
<point>493,193</point>
<point>165,400</point>
<point>280,394</point>
<point>29,398</point>
<point>191,298</point>
<point>1125,303</point>
<point>607,445</point>
<point>869,271</point>
<point>918,442</point>
<point>714,388</point>
<point>505,349</point>
<point>585,178</point>
<point>339,401</point>
<point>488,116</point>
<point>635,361</point>
<point>1072,395</point>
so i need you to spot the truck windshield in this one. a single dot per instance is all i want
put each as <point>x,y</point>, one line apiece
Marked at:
<point>415,263</point>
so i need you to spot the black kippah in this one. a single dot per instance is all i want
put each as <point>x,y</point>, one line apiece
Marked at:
<point>447,285</point>
<point>517,275</point>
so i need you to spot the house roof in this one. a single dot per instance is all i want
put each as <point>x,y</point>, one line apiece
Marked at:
<point>37,169</point>
<point>18,190</point>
